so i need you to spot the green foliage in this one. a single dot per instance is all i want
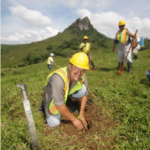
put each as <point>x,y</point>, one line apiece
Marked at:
<point>2,73</point>
<point>32,59</point>
<point>16,72</point>
<point>49,47</point>
<point>63,44</point>
<point>21,64</point>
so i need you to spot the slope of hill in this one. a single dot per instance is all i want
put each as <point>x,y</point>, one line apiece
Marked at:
<point>120,117</point>
<point>63,44</point>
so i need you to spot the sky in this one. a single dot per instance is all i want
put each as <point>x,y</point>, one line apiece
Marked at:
<point>26,21</point>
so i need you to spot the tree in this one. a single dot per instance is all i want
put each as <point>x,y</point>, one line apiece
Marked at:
<point>49,47</point>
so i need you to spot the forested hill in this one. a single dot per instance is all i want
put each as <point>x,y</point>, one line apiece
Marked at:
<point>63,44</point>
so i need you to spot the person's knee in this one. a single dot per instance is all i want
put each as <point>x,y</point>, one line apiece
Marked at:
<point>80,93</point>
<point>54,124</point>
<point>53,121</point>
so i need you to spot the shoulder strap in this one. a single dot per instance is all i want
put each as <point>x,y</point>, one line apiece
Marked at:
<point>65,76</point>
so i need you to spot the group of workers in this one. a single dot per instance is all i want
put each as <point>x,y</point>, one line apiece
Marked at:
<point>84,46</point>
<point>70,83</point>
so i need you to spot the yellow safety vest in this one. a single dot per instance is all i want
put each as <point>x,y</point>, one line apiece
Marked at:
<point>86,49</point>
<point>63,74</point>
<point>48,60</point>
<point>123,38</point>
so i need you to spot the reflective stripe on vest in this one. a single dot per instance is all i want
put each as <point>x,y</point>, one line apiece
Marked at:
<point>63,74</point>
<point>134,42</point>
<point>86,48</point>
<point>123,38</point>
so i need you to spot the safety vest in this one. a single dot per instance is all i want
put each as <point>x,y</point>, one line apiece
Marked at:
<point>63,74</point>
<point>123,38</point>
<point>134,42</point>
<point>86,48</point>
<point>48,60</point>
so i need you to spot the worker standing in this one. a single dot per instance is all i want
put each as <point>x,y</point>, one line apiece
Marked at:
<point>50,61</point>
<point>87,47</point>
<point>68,81</point>
<point>123,38</point>
<point>135,47</point>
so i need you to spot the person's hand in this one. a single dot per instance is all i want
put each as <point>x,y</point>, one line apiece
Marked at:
<point>78,124</point>
<point>84,122</point>
<point>134,36</point>
<point>90,43</point>
<point>133,47</point>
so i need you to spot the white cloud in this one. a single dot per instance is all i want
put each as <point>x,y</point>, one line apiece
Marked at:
<point>31,17</point>
<point>28,36</point>
<point>84,12</point>
<point>70,3</point>
<point>87,3</point>
<point>39,27</point>
<point>107,22</point>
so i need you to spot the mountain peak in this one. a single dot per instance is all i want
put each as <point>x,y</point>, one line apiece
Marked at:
<point>83,24</point>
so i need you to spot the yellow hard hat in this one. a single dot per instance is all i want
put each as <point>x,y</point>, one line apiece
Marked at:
<point>80,60</point>
<point>121,23</point>
<point>85,38</point>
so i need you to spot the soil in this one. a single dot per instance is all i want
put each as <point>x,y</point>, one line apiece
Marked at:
<point>97,136</point>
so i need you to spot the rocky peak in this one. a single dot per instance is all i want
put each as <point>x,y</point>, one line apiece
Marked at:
<point>83,24</point>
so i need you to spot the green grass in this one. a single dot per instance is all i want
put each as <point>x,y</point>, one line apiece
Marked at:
<point>124,99</point>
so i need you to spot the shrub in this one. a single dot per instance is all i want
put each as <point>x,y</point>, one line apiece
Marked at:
<point>49,47</point>
<point>2,74</point>
<point>75,47</point>
<point>21,64</point>
<point>15,72</point>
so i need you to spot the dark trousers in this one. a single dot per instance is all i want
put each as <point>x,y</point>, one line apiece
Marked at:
<point>49,66</point>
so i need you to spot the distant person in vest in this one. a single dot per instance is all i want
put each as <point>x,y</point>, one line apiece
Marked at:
<point>50,61</point>
<point>66,82</point>
<point>87,47</point>
<point>135,47</point>
<point>123,37</point>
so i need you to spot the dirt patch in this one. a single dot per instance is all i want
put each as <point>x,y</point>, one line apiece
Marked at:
<point>93,146</point>
<point>97,136</point>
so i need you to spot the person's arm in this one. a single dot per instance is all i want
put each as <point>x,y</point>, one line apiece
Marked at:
<point>81,47</point>
<point>54,63</point>
<point>130,34</point>
<point>90,46</point>
<point>58,85</point>
<point>114,45</point>
<point>67,114</point>
<point>83,103</point>
<point>82,110</point>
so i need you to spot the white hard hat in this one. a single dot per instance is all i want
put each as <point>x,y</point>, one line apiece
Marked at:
<point>51,54</point>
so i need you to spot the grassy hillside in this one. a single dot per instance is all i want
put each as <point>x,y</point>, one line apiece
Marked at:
<point>120,116</point>
<point>63,44</point>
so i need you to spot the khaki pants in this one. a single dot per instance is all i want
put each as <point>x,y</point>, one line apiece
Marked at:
<point>91,60</point>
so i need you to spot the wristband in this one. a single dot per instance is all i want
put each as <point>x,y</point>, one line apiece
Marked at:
<point>79,117</point>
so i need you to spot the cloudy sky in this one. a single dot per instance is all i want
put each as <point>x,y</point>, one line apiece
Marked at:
<point>26,21</point>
